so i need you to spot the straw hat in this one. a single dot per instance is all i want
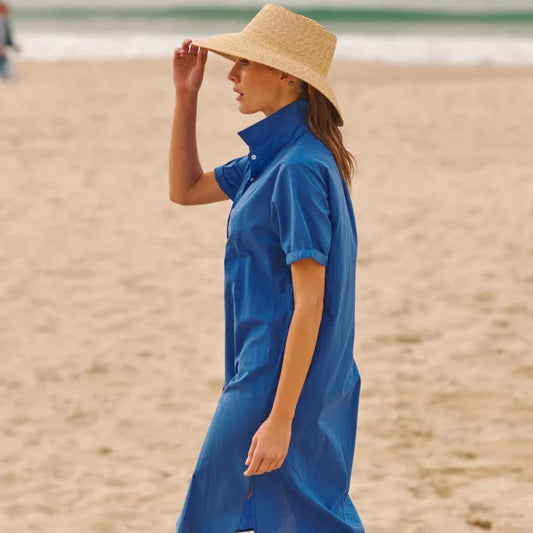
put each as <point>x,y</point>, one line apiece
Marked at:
<point>284,40</point>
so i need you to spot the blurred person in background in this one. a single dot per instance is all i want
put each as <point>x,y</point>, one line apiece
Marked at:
<point>7,71</point>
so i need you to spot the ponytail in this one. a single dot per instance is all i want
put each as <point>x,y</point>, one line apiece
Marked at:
<point>324,121</point>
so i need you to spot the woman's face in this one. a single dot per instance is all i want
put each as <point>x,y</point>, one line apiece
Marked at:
<point>258,87</point>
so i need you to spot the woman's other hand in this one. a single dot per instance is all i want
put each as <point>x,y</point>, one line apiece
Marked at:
<point>269,447</point>
<point>189,66</point>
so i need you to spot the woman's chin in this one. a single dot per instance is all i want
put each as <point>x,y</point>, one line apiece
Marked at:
<point>245,112</point>
<point>246,109</point>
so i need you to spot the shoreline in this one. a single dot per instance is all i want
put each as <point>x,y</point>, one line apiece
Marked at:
<point>394,48</point>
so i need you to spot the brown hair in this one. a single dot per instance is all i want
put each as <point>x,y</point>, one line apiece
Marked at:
<point>325,121</point>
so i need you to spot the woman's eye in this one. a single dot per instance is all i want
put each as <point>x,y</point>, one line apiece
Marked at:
<point>244,62</point>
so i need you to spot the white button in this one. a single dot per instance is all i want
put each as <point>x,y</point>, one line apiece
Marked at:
<point>254,157</point>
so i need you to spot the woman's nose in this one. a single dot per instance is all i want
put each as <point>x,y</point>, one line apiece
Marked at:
<point>233,73</point>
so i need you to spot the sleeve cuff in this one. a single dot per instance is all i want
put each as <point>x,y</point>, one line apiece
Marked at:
<point>222,182</point>
<point>307,253</point>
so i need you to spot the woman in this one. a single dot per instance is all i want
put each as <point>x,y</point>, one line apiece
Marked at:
<point>278,454</point>
<point>6,40</point>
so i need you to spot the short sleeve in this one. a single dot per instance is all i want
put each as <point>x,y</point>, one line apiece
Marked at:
<point>301,209</point>
<point>230,176</point>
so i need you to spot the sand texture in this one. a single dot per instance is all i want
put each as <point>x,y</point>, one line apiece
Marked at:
<point>111,310</point>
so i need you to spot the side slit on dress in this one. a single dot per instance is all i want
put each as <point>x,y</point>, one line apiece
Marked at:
<point>247,522</point>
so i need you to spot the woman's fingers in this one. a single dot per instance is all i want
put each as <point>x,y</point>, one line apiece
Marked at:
<point>186,49</point>
<point>251,451</point>
<point>201,59</point>
<point>277,464</point>
<point>202,54</point>
<point>268,448</point>
<point>189,65</point>
<point>190,56</point>
<point>255,464</point>
<point>189,48</point>
<point>263,467</point>
<point>268,466</point>
<point>258,464</point>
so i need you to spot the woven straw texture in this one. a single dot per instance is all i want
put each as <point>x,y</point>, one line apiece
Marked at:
<point>284,40</point>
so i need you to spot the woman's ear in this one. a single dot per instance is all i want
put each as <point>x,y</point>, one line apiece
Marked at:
<point>287,79</point>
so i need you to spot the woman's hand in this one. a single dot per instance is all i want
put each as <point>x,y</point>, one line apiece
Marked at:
<point>189,66</point>
<point>269,448</point>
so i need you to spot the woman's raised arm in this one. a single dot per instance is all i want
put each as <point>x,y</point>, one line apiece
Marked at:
<point>188,183</point>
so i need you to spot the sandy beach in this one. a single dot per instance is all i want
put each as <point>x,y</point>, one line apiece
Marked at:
<point>111,310</point>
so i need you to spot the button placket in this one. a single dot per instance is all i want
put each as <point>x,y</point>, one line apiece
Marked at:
<point>254,167</point>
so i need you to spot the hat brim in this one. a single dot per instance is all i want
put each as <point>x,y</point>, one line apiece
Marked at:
<point>240,45</point>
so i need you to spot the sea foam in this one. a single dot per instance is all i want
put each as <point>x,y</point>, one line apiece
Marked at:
<point>417,48</point>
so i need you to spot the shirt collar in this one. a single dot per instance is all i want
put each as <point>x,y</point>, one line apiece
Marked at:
<point>268,136</point>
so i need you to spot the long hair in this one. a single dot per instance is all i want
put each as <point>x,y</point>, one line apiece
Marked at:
<point>325,121</point>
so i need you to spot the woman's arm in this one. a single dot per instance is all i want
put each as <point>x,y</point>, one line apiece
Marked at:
<point>271,442</point>
<point>188,184</point>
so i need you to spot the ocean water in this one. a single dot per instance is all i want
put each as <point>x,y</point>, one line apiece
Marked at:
<point>398,31</point>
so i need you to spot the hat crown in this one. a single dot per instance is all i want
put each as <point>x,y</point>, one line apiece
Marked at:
<point>292,35</point>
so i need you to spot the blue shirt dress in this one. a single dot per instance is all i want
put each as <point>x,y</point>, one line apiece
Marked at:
<point>289,203</point>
